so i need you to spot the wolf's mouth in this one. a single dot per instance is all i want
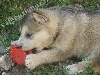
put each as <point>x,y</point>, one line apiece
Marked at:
<point>34,50</point>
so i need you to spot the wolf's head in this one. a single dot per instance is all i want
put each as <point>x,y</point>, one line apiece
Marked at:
<point>38,29</point>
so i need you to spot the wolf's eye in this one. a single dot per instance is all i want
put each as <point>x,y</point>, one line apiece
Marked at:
<point>28,35</point>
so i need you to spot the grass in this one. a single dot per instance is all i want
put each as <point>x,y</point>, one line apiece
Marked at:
<point>9,32</point>
<point>50,69</point>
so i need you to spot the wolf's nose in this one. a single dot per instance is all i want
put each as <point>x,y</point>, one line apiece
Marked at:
<point>20,46</point>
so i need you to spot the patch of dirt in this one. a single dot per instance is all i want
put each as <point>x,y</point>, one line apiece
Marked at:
<point>18,70</point>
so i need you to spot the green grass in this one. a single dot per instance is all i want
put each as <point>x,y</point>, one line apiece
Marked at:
<point>9,32</point>
<point>50,69</point>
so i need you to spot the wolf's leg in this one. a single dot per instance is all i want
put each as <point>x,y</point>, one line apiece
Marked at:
<point>74,68</point>
<point>94,60</point>
<point>96,64</point>
<point>46,56</point>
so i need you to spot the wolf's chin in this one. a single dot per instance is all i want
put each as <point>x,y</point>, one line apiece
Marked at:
<point>26,48</point>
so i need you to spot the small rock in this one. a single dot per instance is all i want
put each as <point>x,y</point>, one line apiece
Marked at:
<point>6,62</point>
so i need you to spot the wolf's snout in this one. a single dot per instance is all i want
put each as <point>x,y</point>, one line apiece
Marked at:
<point>20,46</point>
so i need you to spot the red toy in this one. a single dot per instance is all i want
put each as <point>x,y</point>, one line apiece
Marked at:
<point>18,55</point>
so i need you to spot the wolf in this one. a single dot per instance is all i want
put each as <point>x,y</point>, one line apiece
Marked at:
<point>65,32</point>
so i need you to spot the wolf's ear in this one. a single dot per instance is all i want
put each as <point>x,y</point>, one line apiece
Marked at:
<point>40,17</point>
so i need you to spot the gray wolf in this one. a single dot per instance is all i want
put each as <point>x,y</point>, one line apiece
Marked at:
<point>66,32</point>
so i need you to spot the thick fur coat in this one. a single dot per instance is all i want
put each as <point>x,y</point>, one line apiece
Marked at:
<point>66,32</point>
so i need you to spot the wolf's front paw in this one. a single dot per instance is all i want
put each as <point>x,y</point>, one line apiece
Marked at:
<point>14,42</point>
<point>31,61</point>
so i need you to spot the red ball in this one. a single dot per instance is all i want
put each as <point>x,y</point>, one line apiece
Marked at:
<point>18,55</point>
